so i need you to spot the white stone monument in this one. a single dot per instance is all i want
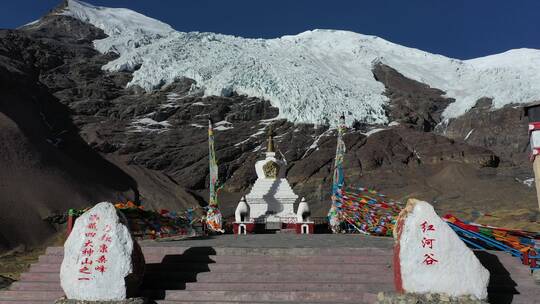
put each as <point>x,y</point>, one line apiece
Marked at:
<point>430,257</point>
<point>241,214</point>
<point>101,260</point>
<point>271,196</point>
<point>271,199</point>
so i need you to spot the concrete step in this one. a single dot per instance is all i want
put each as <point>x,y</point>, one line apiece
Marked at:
<point>263,267</point>
<point>30,295</point>
<point>271,296</point>
<point>236,259</point>
<point>230,251</point>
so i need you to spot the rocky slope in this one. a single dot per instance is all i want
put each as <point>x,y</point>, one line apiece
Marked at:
<point>74,134</point>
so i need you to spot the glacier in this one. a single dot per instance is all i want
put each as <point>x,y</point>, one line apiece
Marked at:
<point>312,77</point>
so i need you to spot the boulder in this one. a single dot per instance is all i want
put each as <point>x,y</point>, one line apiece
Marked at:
<point>102,262</point>
<point>429,257</point>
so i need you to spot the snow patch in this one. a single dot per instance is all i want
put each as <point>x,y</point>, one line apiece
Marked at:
<point>373,131</point>
<point>223,125</point>
<point>315,144</point>
<point>468,135</point>
<point>199,103</point>
<point>148,125</point>
<point>529,182</point>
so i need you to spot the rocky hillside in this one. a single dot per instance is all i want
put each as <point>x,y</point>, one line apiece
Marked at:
<point>74,134</point>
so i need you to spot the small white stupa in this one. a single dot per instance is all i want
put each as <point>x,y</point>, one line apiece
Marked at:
<point>271,199</point>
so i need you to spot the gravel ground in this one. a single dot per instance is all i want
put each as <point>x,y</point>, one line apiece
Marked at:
<point>411,298</point>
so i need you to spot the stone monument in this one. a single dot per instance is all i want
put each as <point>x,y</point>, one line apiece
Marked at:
<point>101,262</point>
<point>429,257</point>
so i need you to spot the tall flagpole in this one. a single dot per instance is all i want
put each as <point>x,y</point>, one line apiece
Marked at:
<point>213,215</point>
<point>334,214</point>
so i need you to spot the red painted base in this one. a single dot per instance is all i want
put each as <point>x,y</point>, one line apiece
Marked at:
<point>243,228</point>
<point>398,283</point>
<point>305,228</point>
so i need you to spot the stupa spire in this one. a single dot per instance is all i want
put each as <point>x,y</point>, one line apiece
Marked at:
<point>270,141</point>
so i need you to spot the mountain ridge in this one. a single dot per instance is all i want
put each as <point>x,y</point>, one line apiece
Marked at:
<point>311,77</point>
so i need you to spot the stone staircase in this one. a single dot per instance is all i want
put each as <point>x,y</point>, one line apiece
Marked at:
<point>234,275</point>
<point>176,275</point>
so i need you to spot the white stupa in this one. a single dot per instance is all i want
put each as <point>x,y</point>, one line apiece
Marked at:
<point>271,198</point>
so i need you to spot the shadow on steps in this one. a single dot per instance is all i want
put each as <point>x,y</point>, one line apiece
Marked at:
<point>175,271</point>
<point>501,287</point>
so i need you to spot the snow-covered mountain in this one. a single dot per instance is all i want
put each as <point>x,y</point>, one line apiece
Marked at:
<point>311,77</point>
<point>82,137</point>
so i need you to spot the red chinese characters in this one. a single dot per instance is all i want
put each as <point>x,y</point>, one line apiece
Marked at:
<point>95,248</point>
<point>85,270</point>
<point>429,259</point>
<point>87,251</point>
<point>101,268</point>
<point>102,259</point>
<point>103,249</point>
<point>427,227</point>
<point>428,243</point>
<point>106,238</point>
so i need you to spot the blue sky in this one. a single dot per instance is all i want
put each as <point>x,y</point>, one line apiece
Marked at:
<point>455,28</point>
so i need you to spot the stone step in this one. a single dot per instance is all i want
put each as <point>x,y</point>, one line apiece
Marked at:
<point>240,277</point>
<point>271,296</point>
<point>25,302</point>
<point>236,259</point>
<point>291,231</point>
<point>500,298</point>
<point>235,251</point>
<point>261,286</point>
<point>40,277</point>
<point>37,286</point>
<point>228,302</point>
<point>31,295</point>
<point>234,277</point>
<point>265,267</point>
<point>266,286</point>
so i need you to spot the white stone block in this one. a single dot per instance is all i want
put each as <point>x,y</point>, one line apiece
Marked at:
<point>431,258</point>
<point>101,260</point>
<point>303,209</point>
<point>242,211</point>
